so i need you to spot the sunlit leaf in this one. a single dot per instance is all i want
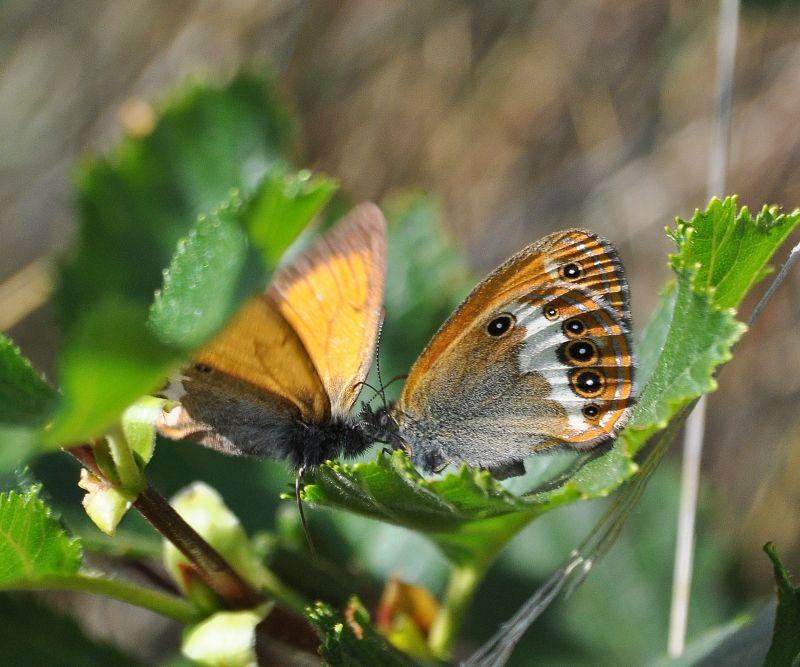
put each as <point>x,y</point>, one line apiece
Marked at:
<point>135,204</point>
<point>32,543</point>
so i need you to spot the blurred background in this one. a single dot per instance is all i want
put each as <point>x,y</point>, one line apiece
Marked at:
<point>519,119</point>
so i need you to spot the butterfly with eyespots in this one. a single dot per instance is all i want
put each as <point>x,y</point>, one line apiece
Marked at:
<point>538,357</point>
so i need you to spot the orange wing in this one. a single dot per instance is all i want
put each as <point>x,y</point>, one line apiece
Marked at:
<point>248,388</point>
<point>258,346</point>
<point>332,298</point>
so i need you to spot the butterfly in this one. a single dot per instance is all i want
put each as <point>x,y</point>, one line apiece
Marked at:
<point>538,357</point>
<point>281,378</point>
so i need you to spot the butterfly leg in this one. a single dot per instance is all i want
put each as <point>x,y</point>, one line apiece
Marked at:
<point>511,469</point>
<point>306,532</point>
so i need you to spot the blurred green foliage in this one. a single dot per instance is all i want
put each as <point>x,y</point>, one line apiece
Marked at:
<point>785,648</point>
<point>32,634</point>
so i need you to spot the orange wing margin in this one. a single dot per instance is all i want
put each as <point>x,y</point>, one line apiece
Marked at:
<point>332,296</point>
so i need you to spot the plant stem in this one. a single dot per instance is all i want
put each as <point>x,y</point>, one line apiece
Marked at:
<point>212,567</point>
<point>464,580</point>
<point>130,476</point>
<point>147,598</point>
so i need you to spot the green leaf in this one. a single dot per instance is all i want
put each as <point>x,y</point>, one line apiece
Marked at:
<point>350,639</point>
<point>135,206</point>
<point>785,648</point>
<point>108,361</point>
<point>211,273</point>
<point>721,255</point>
<point>137,203</point>
<point>32,635</point>
<point>229,254</point>
<point>225,639</point>
<point>26,403</point>
<point>25,398</point>
<point>700,337</point>
<point>730,250</point>
<point>281,208</point>
<point>470,516</point>
<point>32,544</point>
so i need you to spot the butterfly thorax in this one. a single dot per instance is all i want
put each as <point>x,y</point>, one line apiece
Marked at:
<point>313,444</point>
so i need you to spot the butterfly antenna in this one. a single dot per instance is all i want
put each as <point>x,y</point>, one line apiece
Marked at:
<point>402,376</point>
<point>303,521</point>
<point>378,359</point>
<point>368,385</point>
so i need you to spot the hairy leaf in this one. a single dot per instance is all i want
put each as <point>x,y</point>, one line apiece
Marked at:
<point>229,255</point>
<point>350,639</point>
<point>26,403</point>
<point>32,544</point>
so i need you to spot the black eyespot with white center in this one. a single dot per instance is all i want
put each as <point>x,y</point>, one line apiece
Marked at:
<point>550,312</point>
<point>500,325</point>
<point>581,351</point>
<point>574,327</point>
<point>591,411</point>
<point>587,383</point>
<point>202,368</point>
<point>571,271</point>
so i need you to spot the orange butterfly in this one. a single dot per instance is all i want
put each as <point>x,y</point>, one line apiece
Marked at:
<point>538,356</point>
<point>281,378</point>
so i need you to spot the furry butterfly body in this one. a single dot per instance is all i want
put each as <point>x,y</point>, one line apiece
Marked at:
<point>537,357</point>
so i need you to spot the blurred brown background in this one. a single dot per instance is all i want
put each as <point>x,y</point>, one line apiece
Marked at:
<point>522,117</point>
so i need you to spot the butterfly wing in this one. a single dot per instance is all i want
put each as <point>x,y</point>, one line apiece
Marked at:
<point>293,357</point>
<point>248,387</point>
<point>332,298</point>
<point>538,356</point>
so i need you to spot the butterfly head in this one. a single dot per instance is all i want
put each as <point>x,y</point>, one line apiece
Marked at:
<point>379,425</point>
